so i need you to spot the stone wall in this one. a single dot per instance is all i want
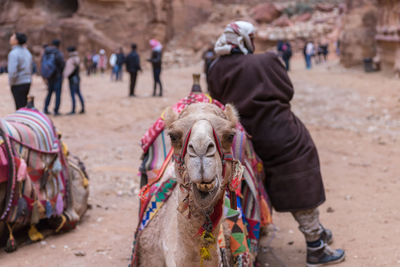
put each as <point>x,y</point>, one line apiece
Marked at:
<point>357,37</point>
<point>388,34</point>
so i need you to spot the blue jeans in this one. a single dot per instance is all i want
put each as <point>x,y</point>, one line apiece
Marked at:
<point>74,88</point>
<point>114,72</point>
<point>308,61</point>
<point>118,75</point>
<point>54,87</point>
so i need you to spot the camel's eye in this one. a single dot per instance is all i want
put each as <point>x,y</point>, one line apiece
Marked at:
<point>229,137</point>
<point>175,136</point>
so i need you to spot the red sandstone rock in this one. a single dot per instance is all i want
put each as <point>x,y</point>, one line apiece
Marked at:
<point>265,13</point>
<point>282,21</point>
<point>325,7</point>
<point>302,17</point>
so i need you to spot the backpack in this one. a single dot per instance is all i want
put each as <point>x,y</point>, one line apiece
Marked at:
<point>48,66</point>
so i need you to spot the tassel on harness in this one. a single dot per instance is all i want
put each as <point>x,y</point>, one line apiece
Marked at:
<point>11,246</point>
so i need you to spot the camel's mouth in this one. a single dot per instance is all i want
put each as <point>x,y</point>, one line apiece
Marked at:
<point>206,187</point>
<point>204,193</point>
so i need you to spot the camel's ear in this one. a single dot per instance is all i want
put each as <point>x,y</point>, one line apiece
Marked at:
<point>170,116</point>
<point>232,114</point>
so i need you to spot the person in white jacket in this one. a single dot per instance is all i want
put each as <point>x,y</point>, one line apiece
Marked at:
<point>113,64</point>
<point>19,69</point>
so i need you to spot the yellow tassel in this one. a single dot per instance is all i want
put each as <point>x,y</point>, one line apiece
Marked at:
<point>63,221</point>
<point>64,149</point>
<point>207,238</point>
<point>41,209</point>
<point>205,254</point>
<point>34,234</point>
<point>10,230</point>
<point>11,244</point>
<point>85,182</point>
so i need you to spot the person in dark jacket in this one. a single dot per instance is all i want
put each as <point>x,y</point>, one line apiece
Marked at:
<point>20,68</point>
<point>119,63</point>
<point>285,52</point>
<point>132,62</point>
<point>259,87</point>
<point>54,82</point>
<point>71,72</point>
<point>156,54</point>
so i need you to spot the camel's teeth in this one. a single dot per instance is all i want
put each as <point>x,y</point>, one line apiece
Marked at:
<point>204,187</point>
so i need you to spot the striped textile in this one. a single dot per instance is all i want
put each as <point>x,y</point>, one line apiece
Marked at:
<point>33,129</point>
<point>41,168</point>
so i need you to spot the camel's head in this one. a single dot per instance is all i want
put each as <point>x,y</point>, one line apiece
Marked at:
<point>201,135</point>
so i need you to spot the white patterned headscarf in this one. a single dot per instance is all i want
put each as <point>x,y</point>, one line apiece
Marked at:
<point>237,34</point>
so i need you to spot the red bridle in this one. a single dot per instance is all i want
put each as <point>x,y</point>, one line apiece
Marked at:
<point>180,158</point>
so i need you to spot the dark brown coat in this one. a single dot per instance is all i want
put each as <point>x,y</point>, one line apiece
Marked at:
<point>259,87</point>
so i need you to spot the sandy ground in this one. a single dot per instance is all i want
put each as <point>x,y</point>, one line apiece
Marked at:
<point>353,117</point>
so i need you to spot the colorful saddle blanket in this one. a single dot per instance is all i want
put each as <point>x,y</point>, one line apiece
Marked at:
<point>254,206</point>
<point>33,166</point>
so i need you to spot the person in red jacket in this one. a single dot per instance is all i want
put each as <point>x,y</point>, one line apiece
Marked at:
<point>259,87</point>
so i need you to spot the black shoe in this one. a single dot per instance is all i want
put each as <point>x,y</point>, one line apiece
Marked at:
<point>323,255</point>
<point>82,111</point>
<point>71,113</point>
<point>46,112</point>
<point>57,114</point>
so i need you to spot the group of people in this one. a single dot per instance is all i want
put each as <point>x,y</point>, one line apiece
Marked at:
<point>318,51</point>
<point>54,69</point>
<point>118,59</point>
<point>311,51</point>
<point>95,61</point>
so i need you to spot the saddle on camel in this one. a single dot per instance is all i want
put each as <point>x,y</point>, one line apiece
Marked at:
<point>41,184</point>
<point>202,202</point>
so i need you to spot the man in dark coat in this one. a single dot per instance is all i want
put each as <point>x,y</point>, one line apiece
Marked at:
<point>120,63</point>
<point>156,55</point>
<point>54,81</point>
<point>132,62</point>
<point>259,87</point>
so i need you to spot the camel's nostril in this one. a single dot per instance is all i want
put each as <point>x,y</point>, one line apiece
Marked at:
<point>207,150</point>
<point>210,150</point>
<point>191,151</point>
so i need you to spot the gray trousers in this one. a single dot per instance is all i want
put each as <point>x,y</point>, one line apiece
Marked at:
<point>309,223</point>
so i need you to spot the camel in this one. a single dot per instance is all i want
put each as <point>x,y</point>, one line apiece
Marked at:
<point>39,179</point>
<point>201,137</point>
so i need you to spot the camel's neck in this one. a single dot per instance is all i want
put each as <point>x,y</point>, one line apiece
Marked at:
<point>190,228</point>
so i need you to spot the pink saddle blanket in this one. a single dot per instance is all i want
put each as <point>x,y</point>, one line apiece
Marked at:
<point>3,164</point>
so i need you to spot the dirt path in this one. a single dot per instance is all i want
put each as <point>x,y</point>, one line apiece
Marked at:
<point>353,117</point>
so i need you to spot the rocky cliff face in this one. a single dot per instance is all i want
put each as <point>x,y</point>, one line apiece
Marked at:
<point>186,27</point>
<point>95,24</point>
